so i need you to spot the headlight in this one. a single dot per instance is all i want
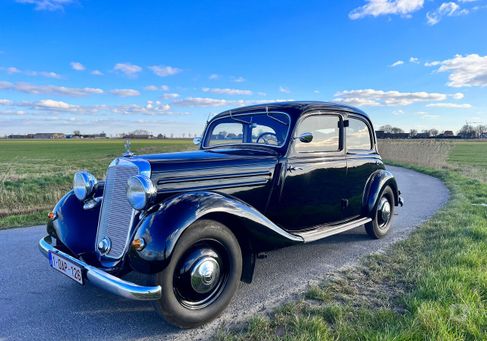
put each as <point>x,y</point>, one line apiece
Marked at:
<point>140,191</point>
<point>83,184</point>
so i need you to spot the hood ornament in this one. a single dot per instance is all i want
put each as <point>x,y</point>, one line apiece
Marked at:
<point>127,145</point>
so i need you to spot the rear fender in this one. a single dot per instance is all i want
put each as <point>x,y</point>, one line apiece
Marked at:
<point>375,184</point>
<point>162,228</point>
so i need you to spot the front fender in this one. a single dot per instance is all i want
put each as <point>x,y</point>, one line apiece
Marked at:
<point>376,182</point>
<point>74,226</point>
<point>162,228</point>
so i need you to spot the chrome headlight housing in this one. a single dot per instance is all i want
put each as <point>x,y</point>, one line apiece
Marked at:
<point>83,184</point>
<point>140,191</point>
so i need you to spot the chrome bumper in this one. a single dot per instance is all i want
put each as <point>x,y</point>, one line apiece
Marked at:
<point>103,279</point>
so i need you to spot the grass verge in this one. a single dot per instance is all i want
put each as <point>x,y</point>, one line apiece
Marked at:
<point>431,286</point>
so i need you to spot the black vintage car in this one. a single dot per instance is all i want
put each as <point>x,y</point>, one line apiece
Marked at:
<point>264,176</point>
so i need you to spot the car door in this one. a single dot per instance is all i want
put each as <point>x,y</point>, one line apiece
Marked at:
<point>362,161</point>
<point>312,182</point>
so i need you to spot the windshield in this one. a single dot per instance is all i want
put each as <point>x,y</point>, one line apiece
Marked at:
<point>269,129</point>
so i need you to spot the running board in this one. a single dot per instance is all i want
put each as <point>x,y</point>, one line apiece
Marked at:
<point>330,230</point>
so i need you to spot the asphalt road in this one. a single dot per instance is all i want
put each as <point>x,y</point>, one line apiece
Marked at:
<point>38,303</point>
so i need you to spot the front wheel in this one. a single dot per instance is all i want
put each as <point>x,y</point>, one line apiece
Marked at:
<point>382,215</point>
<point>202,276</point>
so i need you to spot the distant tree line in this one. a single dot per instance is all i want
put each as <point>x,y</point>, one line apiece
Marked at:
<point>468,131</point>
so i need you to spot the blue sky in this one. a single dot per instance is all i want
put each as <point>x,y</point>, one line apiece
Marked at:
<point>117,66</point>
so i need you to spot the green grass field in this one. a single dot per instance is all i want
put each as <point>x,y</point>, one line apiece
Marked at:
<point>35,174</point>
<point>469,154</point>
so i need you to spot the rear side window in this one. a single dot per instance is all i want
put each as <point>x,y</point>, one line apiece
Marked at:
<point>358,135</point>
<point>326,134</point>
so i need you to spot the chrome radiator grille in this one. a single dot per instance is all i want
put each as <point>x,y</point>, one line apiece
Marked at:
<point>116,213</point>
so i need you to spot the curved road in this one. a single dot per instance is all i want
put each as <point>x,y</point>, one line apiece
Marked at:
<point>37,303</point>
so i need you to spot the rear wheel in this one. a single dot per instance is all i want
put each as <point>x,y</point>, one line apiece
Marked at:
<point>202,276</point>
<point>382,215</point>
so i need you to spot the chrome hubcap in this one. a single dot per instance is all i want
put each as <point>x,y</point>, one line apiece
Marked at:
<point>384,212</point>
<point>205,275</point>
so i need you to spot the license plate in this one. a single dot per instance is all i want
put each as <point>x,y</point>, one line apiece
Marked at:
<point>63,265</point>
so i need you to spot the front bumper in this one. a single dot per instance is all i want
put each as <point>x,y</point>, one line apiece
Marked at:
<point>103,279</point>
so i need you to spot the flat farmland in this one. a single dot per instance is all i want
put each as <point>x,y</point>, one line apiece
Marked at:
<point>34,174</point>
<point>469,154</point>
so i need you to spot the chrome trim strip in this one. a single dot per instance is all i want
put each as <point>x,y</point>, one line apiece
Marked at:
<point>104,280</point>
<point>170,180</point>
<point>213,187</point>
<point>329,230</point>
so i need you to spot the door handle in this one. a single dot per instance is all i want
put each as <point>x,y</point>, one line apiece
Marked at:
<point>291,168</point>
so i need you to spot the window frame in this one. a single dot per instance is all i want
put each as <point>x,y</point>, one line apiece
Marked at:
<point>372,149</point>
<point>341,150</point>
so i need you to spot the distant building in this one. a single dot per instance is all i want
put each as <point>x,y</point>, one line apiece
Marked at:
<point>448,133</point>
<point>137,136</point>
<point>49,136</point>
<point>14,136</point>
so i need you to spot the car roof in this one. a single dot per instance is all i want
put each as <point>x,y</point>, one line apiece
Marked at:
<point>294,108</point>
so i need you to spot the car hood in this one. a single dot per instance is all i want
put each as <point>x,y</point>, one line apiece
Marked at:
<point>206,168</point>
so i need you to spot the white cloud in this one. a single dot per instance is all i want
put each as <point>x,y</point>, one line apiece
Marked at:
<point>47,5</point>
<point>49,89</point>
<point>377,8</point>
<point>213,77</point>
<point>238,79</point>
<point>47,74</point>
<point>204,102</point>
<point>14,70</point>
<point>151,108</point>
<point>227,91</point>
<point>130,70</point>
<point>397,63</point>
<point>156,88</point>
<point>125,92</point>
<point>449,105</point>
<point>371,97</point>
<point>52,104</point>
<point>217,102</point>
<point>96,73</point>
<point>425,115</point>
<point>464,71</point>
<point>414,60</point>
<point>284,90</point>
<point>446,9</point>
<point>170,95</point>
<point>77,66</point>
<point>164,71</point>
<point>5,101</point>
<point>458,95</point>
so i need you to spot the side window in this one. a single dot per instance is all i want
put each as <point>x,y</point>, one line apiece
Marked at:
<point>358,135</point>
<point>226,133</point>
<point>326,134</point>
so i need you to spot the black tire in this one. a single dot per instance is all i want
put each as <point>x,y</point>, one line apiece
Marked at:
<point>379,226</point>
<point>182,304</point>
